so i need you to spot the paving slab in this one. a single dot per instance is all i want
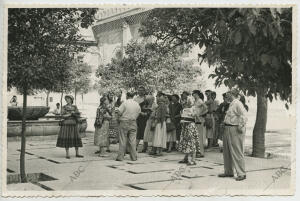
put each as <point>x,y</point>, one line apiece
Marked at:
<point>24,187</point>
<point>148,172</point>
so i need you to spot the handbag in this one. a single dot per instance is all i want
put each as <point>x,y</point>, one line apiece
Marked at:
<point>82,134</point>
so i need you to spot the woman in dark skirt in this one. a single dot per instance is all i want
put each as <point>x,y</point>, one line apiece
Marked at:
<point>141,122</point>
<point>68,136</point>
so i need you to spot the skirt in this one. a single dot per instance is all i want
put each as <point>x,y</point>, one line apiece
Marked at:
<point>211,132</point>
<point>148,134</point>
<point>141,125</point>
<point>189,138</point>
<point>171,136</point>
<point>160,136</point>
<point>114,131</point>
<point>69,137</point>
<point>101,135</point>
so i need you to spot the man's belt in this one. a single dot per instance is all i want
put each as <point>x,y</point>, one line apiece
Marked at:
<point>187,119</point>
<point>127,119</point>
<point>230,125</point>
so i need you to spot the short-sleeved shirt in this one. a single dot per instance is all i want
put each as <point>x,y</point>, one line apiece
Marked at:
<point>139,99</point>
<point>129,110</point>
<point>236,114</point>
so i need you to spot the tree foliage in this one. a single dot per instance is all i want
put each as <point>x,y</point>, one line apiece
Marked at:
<point>149,65</point>
<point>41,47</point>
<point>41,42</point>
<point>250,47</point>
<point>82,74</point>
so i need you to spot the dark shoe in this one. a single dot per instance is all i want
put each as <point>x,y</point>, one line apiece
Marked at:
<point>108,151</point>
<point>79,156</point>
<point>68,157</point>
<point>144,151</point>
<point>118,159</point>
<point>158,154</point>
<point>183,161</point>
<point>152,153</point>
<point>216,145</point>
<point>97,152</point>
<point>199,156</point>
<point>240,178</point>
<point>103,155</point>
<point>169,151</point>
<point>225,175</point>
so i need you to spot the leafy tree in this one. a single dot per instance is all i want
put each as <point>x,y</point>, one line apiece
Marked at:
<point>251,48</point>
<point>81,81</point>
<point>148,65</point>
<point>41,44</point>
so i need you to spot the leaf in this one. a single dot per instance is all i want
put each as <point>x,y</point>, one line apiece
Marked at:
<point>265,31</point>
<point>275,62</point>
<point>287,106</point>
<point>273,12</point>
<point>270,96</point>
<point>252,27</point>
<point>237,37</point>
<point>279,10</point>
<point>226,82</point>
<point>256,11</point>
<point>231,14</point>
<point>239,65</point>
<point>265,59</point>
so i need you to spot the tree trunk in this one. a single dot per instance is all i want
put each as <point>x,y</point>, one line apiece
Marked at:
<point>23,138</point>
<point>82,107</point>
<point>258,138</point>
<point>47,98</point>
<point>61,98</point>
<point>75,96</point>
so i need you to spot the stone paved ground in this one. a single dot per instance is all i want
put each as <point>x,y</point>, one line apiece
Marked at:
<point>148,173</point>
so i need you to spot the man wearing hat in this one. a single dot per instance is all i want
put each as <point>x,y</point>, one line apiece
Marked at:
<point>233,139</point>
<point>128,113</point>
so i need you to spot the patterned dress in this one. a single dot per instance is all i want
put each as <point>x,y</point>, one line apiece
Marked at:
<point>69,132</point>
<point>188,138</point>
<point>102,127</point>
<point>113,132</point>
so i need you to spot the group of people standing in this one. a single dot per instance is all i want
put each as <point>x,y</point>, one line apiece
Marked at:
<point>166,122</point>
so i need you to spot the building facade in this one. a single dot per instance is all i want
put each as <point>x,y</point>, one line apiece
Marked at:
<point>114,29</point>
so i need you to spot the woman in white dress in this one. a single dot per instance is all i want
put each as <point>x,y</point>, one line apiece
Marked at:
<point>160,133</point>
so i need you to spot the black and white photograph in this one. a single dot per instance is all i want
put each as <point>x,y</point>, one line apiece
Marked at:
<point>148,100</point>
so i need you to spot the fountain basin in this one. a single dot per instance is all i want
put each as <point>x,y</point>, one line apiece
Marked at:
<point>41,127</point>
<point>32,112</point>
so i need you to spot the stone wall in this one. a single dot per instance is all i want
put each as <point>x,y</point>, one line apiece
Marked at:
<point>114,35</point>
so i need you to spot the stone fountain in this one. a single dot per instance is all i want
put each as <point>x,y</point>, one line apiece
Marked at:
<point>37,124</point>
